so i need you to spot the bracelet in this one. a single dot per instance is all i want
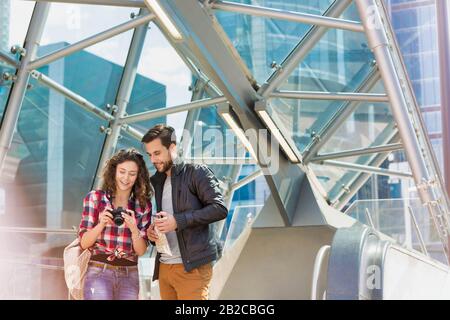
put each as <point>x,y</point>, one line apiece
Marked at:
<point>136,237</point>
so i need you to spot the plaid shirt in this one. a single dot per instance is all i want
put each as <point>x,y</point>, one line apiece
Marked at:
<point>114,240</point>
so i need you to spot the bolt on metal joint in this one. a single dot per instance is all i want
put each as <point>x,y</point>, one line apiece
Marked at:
<point>18,50</point>
<point>105,130</point>
<point>7,76</point>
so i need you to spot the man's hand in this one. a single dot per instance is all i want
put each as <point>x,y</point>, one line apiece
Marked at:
<point>166,223</point>
<point>151,233</point>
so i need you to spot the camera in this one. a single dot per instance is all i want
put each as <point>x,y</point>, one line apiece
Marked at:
<point>117,215</point>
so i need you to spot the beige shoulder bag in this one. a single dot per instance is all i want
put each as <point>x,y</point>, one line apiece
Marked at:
<point>76,262</point>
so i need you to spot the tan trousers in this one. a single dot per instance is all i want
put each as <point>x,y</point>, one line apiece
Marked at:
<point>177,284</point>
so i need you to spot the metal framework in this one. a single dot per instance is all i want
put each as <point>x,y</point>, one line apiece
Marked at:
<point>338,118</point>
<point>362,168</point>
<point>8,59</point>
<point>348,190</point>
<point>251,177</point>
<point>411,134</point>
<point>358,152</point>
<point>140,20</point>
<point>211,57</point>
<point>170,110</point>
<point>14,103</point>
<point>443,26</point>
<point>123,95</point>
<point>79,100</point>
<point>302,49</point>
<point>317,20</point>
<point>365,97</point>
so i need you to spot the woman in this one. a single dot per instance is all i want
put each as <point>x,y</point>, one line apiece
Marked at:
<point>113,273</point>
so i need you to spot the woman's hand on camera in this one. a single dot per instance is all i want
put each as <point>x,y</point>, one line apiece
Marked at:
<point>105,217</point>
<point>129,219</point>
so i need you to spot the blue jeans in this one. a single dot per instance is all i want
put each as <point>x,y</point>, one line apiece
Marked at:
<point>106,284</point>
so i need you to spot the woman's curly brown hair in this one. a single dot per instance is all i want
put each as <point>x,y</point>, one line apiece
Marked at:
<point>142,189</point>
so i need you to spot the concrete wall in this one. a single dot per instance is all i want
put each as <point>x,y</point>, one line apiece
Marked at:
<point>276,263</point>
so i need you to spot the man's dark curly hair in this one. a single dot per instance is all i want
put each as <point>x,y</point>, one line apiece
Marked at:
<point>142,189</point>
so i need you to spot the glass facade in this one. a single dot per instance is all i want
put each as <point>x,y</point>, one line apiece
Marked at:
<point>57,145</point>
<point>415,26</point>
<point>4,24</point>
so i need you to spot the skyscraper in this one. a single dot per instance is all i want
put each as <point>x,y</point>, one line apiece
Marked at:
<point>4,24</point>
<point>414,23</point>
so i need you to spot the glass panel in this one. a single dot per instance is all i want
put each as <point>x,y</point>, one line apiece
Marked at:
<point>261,41</point>
<point>415,29</point>
<point>361,129</point>
<point>248,199</point>
<point>51,163</point>
<point>298,118</point>
<point>392,217</point>
<point>371,124</point>
<point>12,32</point>
<point>171,80</point>
<point>339,62</point>
<point>242,219</point>
<point>70,23</point>
<point>99,66</point>
<point>82,71</point>
<point>211,138</point>
<point>15,17</point>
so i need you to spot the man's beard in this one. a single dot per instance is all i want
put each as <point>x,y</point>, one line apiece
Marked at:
<point>166,166</point>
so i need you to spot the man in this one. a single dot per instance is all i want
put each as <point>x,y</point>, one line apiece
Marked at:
<point>188,201</point>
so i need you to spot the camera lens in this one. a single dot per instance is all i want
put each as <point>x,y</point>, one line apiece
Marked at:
<point>118,220</point>
<point>117,216</point>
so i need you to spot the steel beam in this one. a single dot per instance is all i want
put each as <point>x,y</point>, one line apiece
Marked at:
<point>331,127</point>
<point>358,152</point>
<point>133,132</point>
<point>170,110</point>
<point>123,96</point>
<point>379,43</point>
<point>303,48</point>
<point>8,59</point>
<point>407,116</point>
<point>18,89</point>
<point>37,230</point>
<point>351,188</point>
<point>363,168</point>
<point>342,96</point>
<point>76,98</point>
<point>443,27</point>
<point>58,54</point>
<point>251,177</point>
<point>198,89</point>
<point>288,15</point>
